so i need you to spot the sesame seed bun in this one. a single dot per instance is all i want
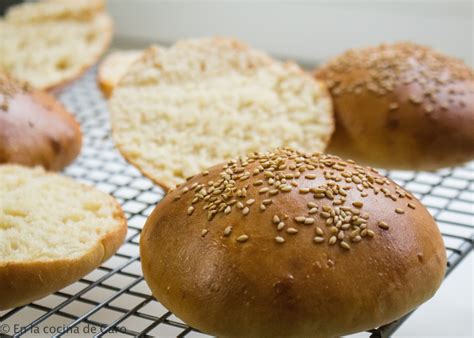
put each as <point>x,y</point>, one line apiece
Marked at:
<point>288,244</point>
<point>35,128</point>
<point>401,106</point>
<point>182,109</point>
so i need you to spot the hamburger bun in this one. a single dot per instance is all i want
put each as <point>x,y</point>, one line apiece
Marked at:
<point>182,109</point>
<point>401,106</point>
<point>113,68</point>
<point>287,244</point>
<point>50,43</point>
<point>35,128</point>
<point>53,231</point>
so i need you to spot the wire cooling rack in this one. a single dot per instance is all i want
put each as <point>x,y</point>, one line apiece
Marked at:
<point>114,299</point>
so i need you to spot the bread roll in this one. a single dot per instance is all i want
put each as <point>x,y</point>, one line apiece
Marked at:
<point>53,231</point>
<point>401,106</point>
<point>113,68</point>
<point>287,244</point>
<point>52,42</point>
<point>180,110</point>
<point>35,128</point>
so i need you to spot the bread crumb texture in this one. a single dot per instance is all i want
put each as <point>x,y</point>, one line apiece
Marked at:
<point>46,216</point>
<point>181,110</point>
<point>51,41</point>
<point>114,67</point>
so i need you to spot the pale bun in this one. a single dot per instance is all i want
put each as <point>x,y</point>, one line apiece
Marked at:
<point>401,106</point>
<point>237,251</point>
<point>35,128</point>
<point>53,231</point>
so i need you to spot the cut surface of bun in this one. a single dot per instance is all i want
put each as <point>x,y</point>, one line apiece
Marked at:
<point>113,68</point>
<point>50,43</point>
<point>53,231</point>
<point>178,111</point>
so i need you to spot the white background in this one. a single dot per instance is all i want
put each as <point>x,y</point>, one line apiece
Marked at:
<point>309,31</point>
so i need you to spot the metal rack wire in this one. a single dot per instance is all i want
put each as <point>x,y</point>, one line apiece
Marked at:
<point>114,298</point>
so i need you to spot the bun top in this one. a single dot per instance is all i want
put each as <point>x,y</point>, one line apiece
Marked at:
<point>291,244</point>
<point>401,106</point>
<point>339,190</point>
<point>381,69</point>
<point>35,128</point>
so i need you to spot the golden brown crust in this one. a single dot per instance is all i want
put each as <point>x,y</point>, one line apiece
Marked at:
<point>276,282</point>
<point>35,128</point>
<point>401,106</point>
<point>23,282</point>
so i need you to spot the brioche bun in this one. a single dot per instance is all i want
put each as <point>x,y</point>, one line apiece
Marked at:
<point>287,244</point>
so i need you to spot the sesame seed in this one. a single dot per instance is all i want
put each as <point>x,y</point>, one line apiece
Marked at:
<point>308,220</point>
<point>273,192</point>
<point>304,190</point>
<point>383,225</point>
<point>345,245</point>
<point>257,183</point>
<point>356,239</point>
<point>205,173</point>
<point>227,209</point>
<point>313,211</point>
<point>411,205</point>
<point>310,176</point>
<point>300,219</point>
<point>263,190</point>
<point>358,204</point>
<point>267,201</point>
<point>399,211</point>
<point>280,225</point>
<point>319,231</point>
<point>311,205</point>
<point>325,214</point>
<point>332,240</point>
<point>370,233</point>
<point>242,238</point>
<point>279,239</point>
<point>204,232</point>
<point>262,207</point>
<point>268,174</point>
<point>250,201</point>
<point>318,239</point>
<point>245,211</point>
<point>228,230</point>
<point>285,188</point>
<point>190,210</point>
<point>291,230</point>
<point>240,205</point>
<point>276,219</point>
